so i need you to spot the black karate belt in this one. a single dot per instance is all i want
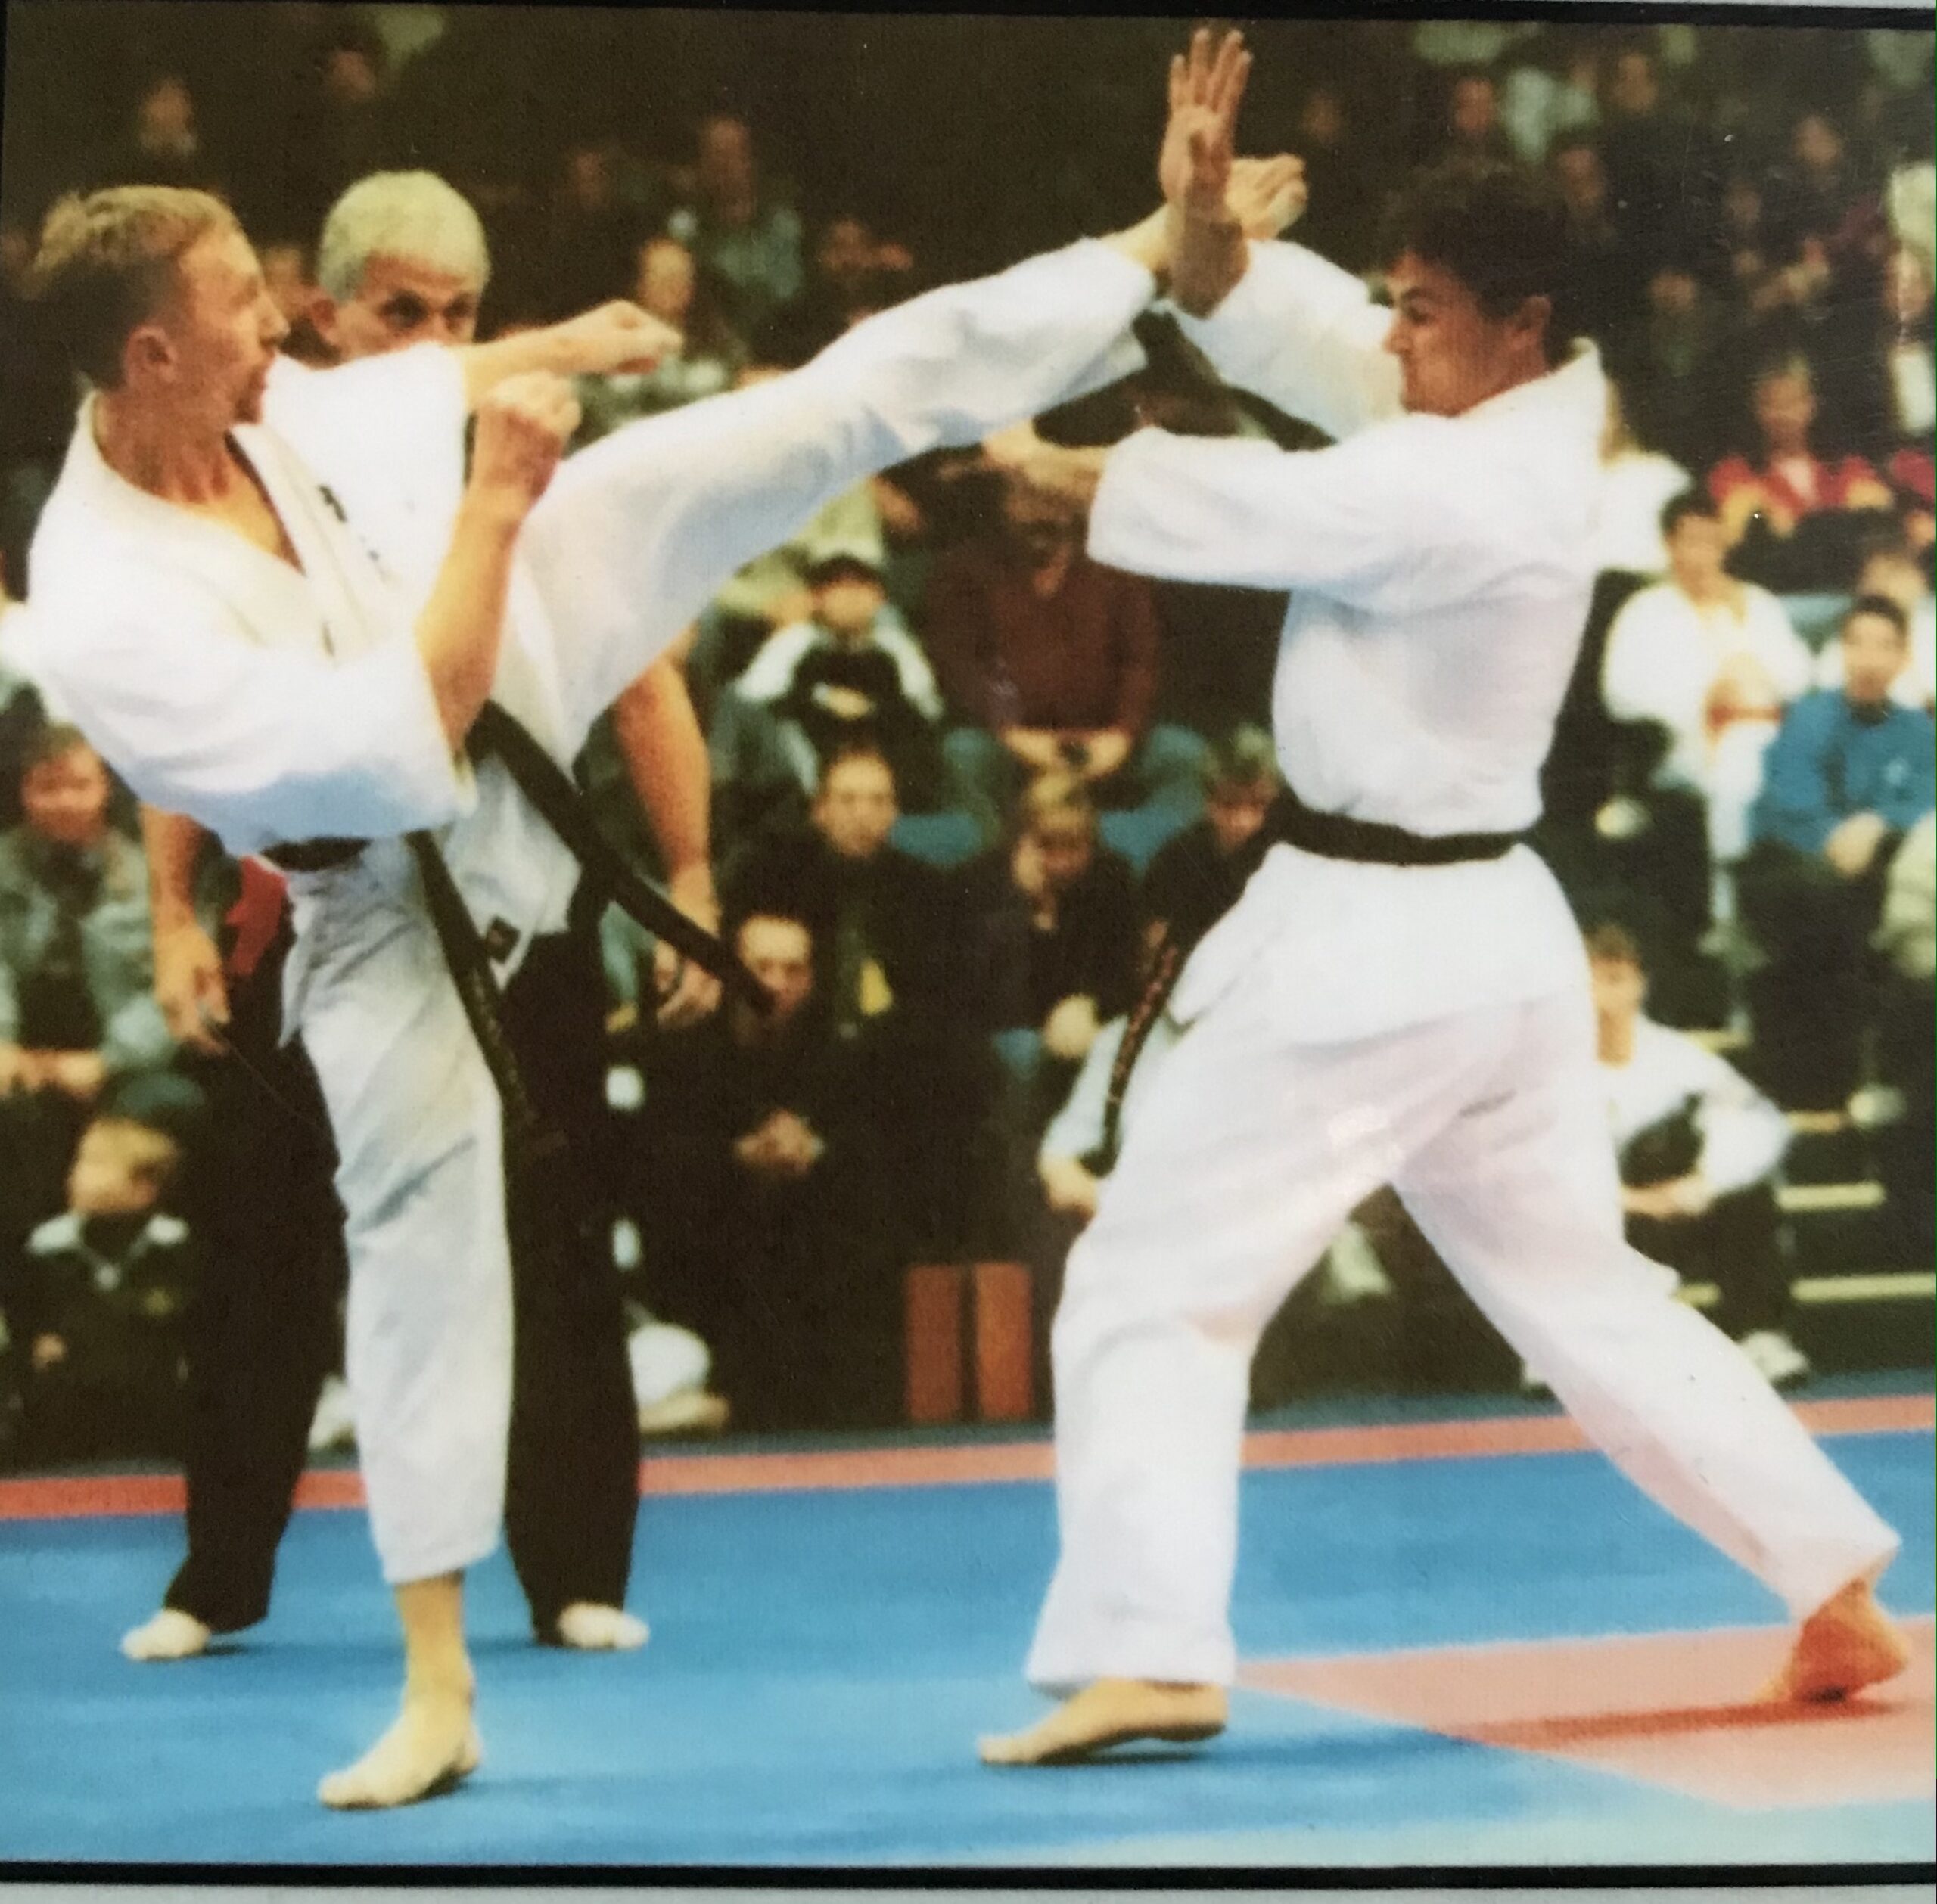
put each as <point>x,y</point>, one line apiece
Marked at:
<point>550,789</point>
<point>531,1137</point>
<point>1290,822</point>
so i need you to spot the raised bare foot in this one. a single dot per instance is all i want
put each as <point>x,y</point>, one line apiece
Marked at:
<point>596,1629</point>
<point>1848,1643</point>
<point>170,1634</point>
<point>431,1744</point>
<point>1112,1712</point>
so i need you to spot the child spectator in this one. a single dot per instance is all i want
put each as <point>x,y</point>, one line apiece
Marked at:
<point>1196,877</point>
<point>850,673</point>
<point>101,1295</point>
<point>1699,1150</point>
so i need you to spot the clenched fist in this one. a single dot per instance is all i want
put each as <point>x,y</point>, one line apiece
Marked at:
<point>612,338</point>
<point>523,428</point>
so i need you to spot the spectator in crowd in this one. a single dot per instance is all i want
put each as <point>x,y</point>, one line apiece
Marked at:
<point>1343,209</point>
<point>1794,516</point>
<point>1194,878</point>
<point>1907,1040</point>
<point>1710,661</point>
<point>745,238</point>
<point>763,1187</point>
<point>1894,572</point>
<point>37,414</point>
<point>287,271</point>
<point>1750,243</point>
<point>340,127</point>
<point>1820,196</point>
<point>1049,920</point>
<point>1699,1150</point>
<point>884,923</point>
<point>1896,408</point>
<point>878,915</point>
<point>1674,361</point>
<point>1470,128</point>
<point>1551,92</point>
<point>771,591</point>
<point>851,274</point>
<point>1657,160</point>
<point>23,712</point>
<point>1051,659</point>
<point>1607,281</point>
<point>588,249</point>
<point>1849,774</point>
<point>850,673</point>
<point>162,145</point>
<point>667,283</point>
<point>1637,483</point>
<point>99,1303</point>
<point>78,1022</point>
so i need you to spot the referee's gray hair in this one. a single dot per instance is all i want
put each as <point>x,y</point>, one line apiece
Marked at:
<point>411,215</point>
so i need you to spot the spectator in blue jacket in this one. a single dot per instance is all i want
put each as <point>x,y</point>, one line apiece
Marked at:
<point>1850,773</point>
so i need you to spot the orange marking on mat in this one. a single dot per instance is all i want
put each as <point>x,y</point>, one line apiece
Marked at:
<point>62,1497</point>
<point>1677,1711</point>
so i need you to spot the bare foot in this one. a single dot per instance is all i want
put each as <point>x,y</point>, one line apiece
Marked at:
<point>431,1745</point>
<point>1848,1643</point>
<point>170,1635</point>
<point>1110,1712</point>
<point>594,1629</point>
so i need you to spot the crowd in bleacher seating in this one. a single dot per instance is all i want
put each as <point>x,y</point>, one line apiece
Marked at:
<point>959,768</point>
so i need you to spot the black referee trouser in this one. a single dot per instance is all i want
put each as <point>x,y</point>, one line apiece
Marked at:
<point>263,1331</point>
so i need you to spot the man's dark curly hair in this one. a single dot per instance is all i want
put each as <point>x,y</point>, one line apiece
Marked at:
<point>1500,229</point>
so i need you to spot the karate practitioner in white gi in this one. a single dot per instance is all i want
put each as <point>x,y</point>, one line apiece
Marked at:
<point>401,261</point>
<point>243,659</point>
<point>1351,1022</point>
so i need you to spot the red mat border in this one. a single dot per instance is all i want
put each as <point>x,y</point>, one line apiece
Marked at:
<point>74,1497</point>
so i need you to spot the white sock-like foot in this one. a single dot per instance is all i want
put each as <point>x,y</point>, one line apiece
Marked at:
<point>595,1628</point>
<point>170,1634</point>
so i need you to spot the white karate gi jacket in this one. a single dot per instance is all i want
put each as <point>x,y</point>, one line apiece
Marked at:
<point>1440,570</point>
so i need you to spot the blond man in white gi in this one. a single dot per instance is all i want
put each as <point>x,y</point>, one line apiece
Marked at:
<point>245,660</point>
<point>1356,1020</point>
<point>401,261</point>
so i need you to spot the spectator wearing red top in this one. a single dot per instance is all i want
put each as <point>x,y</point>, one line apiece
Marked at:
<point>1796,514</point>
<point>1051,659</point>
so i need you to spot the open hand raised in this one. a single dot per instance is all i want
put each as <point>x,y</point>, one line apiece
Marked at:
<point>1207,84</point>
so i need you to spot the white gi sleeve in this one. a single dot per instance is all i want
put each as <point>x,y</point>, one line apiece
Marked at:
<point>637,533</point>
<point>1366,522</point>
<point>1304,335</point>
<point>396,419</point>
<point>260,745</point>
<point>1743,1134</point>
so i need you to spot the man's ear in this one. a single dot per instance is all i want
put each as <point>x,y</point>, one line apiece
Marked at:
<point>148,355</point>
<point>1531,321</point>
<point>323,315</point>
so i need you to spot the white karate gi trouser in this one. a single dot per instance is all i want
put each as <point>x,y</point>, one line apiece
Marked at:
<point>418,1129</point>
<point>1249,1151</point>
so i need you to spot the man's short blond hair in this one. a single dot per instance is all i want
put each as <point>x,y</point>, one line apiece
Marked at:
<point>106,264</point>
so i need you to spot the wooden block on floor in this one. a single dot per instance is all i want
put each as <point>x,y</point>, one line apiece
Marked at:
<point>1004,1342</point>
<point>932,1336</point>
